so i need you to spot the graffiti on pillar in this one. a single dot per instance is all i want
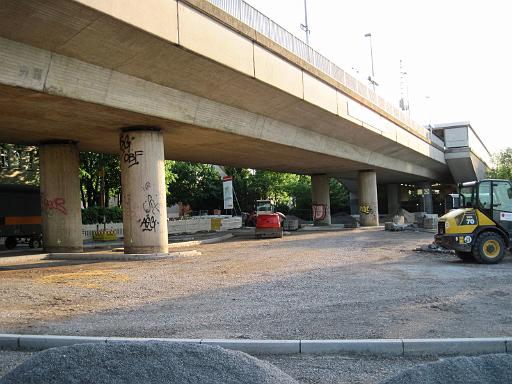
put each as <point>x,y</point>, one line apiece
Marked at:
<point>148,223</point>
<point>147,186</point>
<point>365,209</point>
<point>129,155</point>
<point>319,212</point>
<point>57,204</point>
<point>151,210</point>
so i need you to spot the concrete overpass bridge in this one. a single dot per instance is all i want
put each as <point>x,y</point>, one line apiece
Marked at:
<point>186,80</point>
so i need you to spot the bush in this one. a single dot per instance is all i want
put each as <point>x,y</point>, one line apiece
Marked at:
<point>94,215</point>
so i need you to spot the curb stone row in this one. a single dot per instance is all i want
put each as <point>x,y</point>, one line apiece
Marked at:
<point>380,347</point>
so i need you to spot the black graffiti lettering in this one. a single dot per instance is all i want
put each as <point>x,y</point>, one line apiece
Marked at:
<point>148,224</point>
<point>150,206</point>
<point>132,158</point>
<point>129,155</point>
<point>125,143</point>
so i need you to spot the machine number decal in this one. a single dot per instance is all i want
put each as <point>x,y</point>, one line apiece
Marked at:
<point>467,239</point>
<point>469,219</point>
<point>505,216</point>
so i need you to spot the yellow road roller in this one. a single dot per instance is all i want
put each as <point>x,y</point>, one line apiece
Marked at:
<point>480,228</point>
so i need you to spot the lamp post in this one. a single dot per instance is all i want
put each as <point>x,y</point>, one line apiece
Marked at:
<point>305,26</point>
<point>371,78</point>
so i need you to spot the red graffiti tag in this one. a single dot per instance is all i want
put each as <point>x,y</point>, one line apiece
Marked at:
<point>58,204</point>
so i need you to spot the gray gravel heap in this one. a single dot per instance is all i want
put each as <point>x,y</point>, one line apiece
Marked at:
<point>487,369</point>
<point>145,362</point>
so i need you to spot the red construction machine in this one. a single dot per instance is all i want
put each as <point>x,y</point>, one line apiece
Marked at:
<point>268,222</point>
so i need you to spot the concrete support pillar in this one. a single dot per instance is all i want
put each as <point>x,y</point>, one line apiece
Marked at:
<point>354,203</point>
<point>426,202</point>
<point>320,196</point>
<point>368,199</point>
<point>60,198</point>
<point>394,198</point>
<point>144,190</point>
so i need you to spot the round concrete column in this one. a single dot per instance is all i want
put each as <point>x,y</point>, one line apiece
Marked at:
<point>320,196</point>
<point>143,185</point>
<point>368,201</point>
<point>354,203</point>
<point>427,203</point>
<point>60,198</point>
<point>394,198</point>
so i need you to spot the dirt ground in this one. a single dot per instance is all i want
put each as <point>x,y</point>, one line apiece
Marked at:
<point>347,284</point>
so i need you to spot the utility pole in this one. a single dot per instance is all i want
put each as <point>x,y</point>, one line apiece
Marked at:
<point>305,26</point>
<point>371,78</point>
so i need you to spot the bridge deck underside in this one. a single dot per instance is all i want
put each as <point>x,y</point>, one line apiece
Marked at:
<point>29,117</point>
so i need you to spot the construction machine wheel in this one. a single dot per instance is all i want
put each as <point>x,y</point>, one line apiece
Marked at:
<point>489,248</point>
<point>465,256</point>
<point>34,242</point>
<point>11,242</point>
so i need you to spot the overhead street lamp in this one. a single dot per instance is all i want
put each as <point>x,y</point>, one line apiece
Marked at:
<point>371,78</point>
<point>305,26</point>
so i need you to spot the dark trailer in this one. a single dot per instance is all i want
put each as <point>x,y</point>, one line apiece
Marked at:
<point>20,215</point>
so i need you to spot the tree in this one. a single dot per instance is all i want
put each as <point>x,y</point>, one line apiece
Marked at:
<point>91,164</point>
<point>19,164</point>
<point>196,184</point>
<point>340,197</point>
<point>503,165</point>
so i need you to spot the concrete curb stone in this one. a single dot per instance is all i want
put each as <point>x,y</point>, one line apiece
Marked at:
<point>9,342</point>
<point>265,347</point>
<point>393,347</point>
<point>195,243</point>
<point>465,346</point>
<point>379,347</point>
<point>41,342</point>
<point>120,257</point>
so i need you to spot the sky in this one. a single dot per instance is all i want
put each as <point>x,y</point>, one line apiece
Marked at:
<point>457,54</point>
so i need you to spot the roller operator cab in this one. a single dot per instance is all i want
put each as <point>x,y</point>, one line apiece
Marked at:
<point>481,228</point>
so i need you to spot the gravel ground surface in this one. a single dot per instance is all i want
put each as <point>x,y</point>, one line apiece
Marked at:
<point>347,284</point>
<point>150,362</point>
<point>490,369</point>
<point>305,369</point>
<point>311,369</point>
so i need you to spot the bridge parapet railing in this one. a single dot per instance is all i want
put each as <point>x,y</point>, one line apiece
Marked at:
<point>267,27</point>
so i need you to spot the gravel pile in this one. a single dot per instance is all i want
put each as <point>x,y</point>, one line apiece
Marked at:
<point>144,362</point>
<point>488,369</point>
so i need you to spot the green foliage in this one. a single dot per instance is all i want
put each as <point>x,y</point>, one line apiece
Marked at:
<point>94,215</point>
<point>196,184</point>
<point>503,165</point>
<point>19,164</point>
<point>91,164</point>
<point>340,197</point>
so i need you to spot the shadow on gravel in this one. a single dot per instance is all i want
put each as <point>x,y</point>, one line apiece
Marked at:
<point>50,264</point>
<point>365,300</point>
